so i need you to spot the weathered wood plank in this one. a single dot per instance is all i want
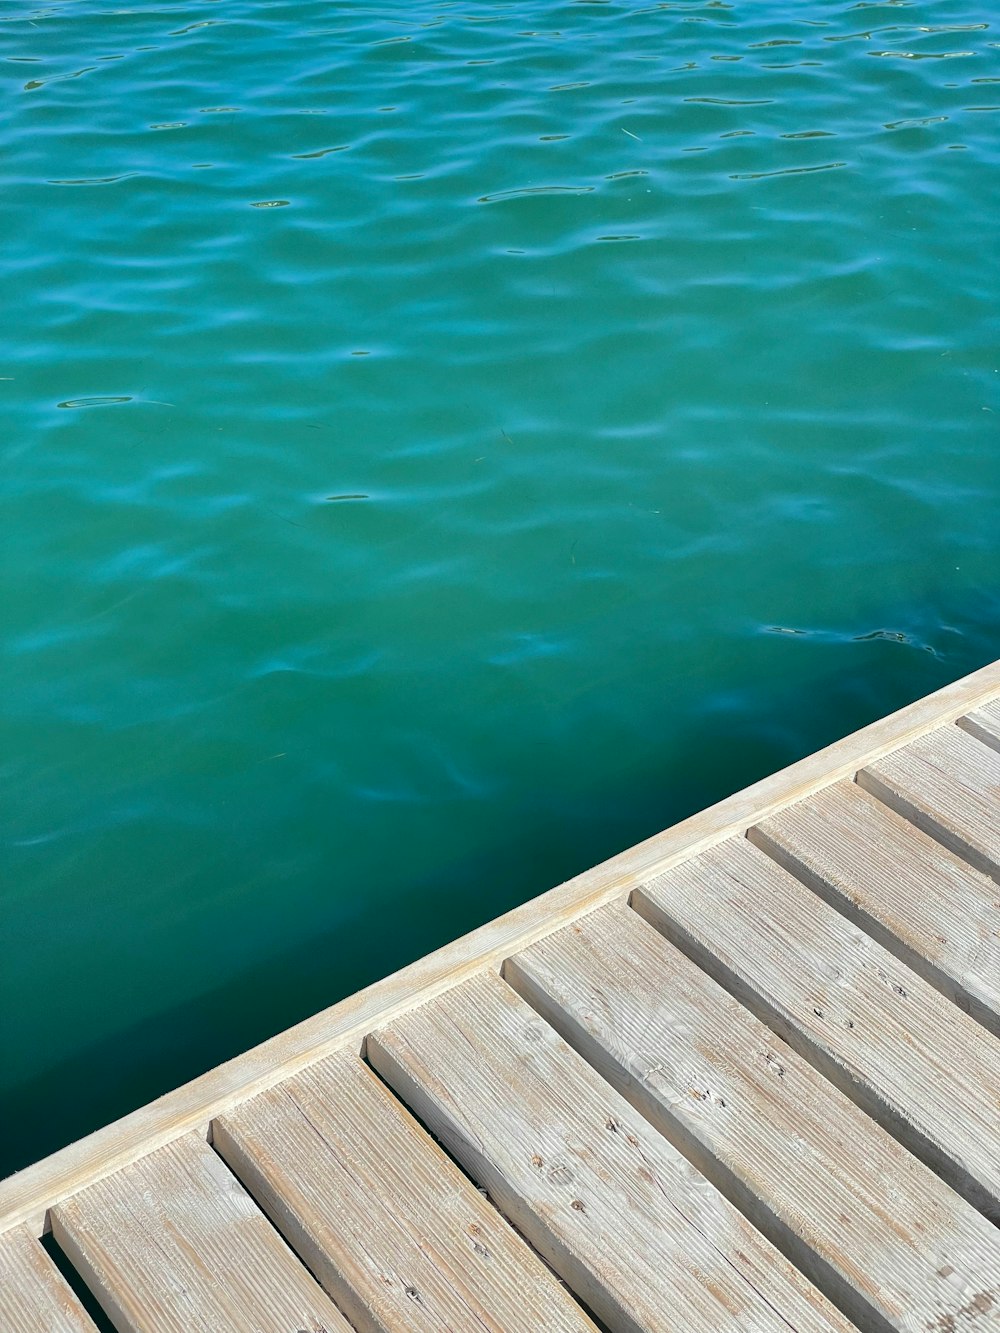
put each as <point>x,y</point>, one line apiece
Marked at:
<point>984,724</point>
<point>402,1241</point>
<point>26,1197</point>
<point>174,1244</point>
<point>34,1296</point>
<point>911,1059</point>
<point>868,1223</point>
<point>948,784</point>
<point>637,1233</point>
<point>920,901</point>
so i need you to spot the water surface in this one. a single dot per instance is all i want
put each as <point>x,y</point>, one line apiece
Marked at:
<point>445,443</point>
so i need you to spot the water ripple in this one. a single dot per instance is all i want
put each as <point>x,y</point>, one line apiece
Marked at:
<point>438,421</point>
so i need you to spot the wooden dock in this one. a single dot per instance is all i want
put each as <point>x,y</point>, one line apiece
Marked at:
<point>745,1076</point>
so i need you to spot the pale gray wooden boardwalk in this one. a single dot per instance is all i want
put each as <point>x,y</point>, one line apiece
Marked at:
<point>745,1076</point>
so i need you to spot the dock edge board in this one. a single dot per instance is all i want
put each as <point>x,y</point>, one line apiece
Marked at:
<point>27,1197</point>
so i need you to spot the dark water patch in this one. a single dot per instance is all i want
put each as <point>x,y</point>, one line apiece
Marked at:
<point>786,171</point>
<point>322,152</point>
<point>528,191</point>
<point>106,401</point>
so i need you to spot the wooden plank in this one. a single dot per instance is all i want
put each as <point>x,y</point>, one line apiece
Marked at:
<point>891,1244</point>
<point>908,1057</point>
<point>948,784</point>
<point>984,724</point>
<point>920,901</point>
<point>34,1296</point>
<point>174,1244</point>
<point>638,1234</point>
<point>401,1240</point>
<point>27,1196</point>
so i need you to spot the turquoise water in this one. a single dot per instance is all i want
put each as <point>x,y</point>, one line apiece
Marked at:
<point>445,443</point>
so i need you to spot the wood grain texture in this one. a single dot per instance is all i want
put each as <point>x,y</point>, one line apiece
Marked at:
<point>904,1053</point>
<point>27,1197</point>
<point>400,1238</point>
<point>34,1296</point>
<point>873,1227</point>
<point>984,724</point>
<point>174,1244</point>
<point>920,901</point>
<point>638,1234</point>
<point>948,784</point>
